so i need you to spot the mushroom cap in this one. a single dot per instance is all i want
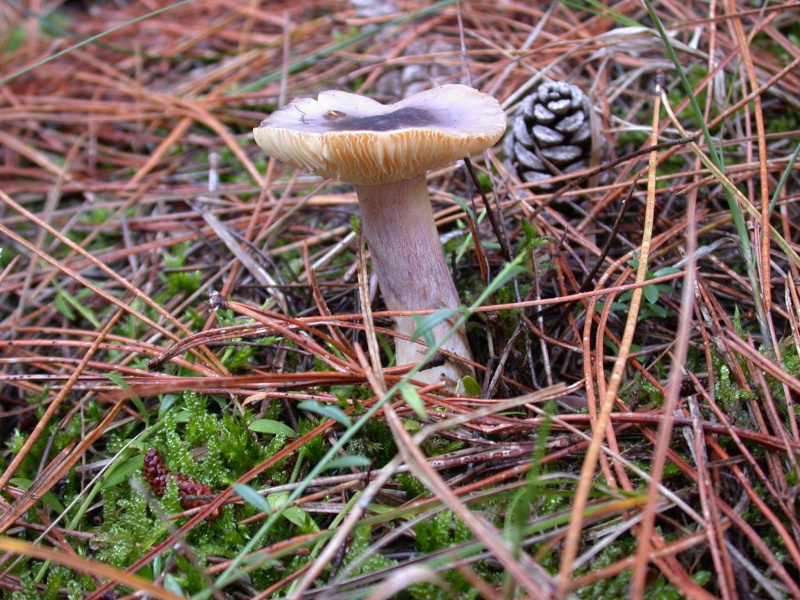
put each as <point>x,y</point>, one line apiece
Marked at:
<point>358,140</point>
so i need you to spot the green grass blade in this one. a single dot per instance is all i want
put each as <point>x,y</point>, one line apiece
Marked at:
<point>90,40</point>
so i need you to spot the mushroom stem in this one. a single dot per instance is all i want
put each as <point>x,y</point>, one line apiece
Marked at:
<point>412,274</point>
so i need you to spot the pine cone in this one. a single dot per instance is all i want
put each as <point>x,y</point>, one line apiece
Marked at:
<point>189,487</point>
<point>157,476</point>
<point>155,472</point>
<point>551,135</point>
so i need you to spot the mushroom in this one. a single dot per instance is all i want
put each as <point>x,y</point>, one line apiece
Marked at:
<point>385,151</point>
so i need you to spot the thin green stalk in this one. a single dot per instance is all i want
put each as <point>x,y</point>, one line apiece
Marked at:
<point>784,178</point>
<point>91,40</point>
<point>738,219</point>
<point>732,189</point>
<point>57,29</point>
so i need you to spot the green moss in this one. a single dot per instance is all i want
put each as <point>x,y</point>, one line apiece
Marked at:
<point>129,529</point>
<point>612,587</point>
<point>436,532</point>
<point>649,394</point>
<point>411,486</point>
<point>360,544</point>
<point>17,440</point>
<point>733,399</point>
<point>214,447</point>
<point>175,277</point>
<point>29,590</point>
<point>374,442</point>
<point>55,437</point>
